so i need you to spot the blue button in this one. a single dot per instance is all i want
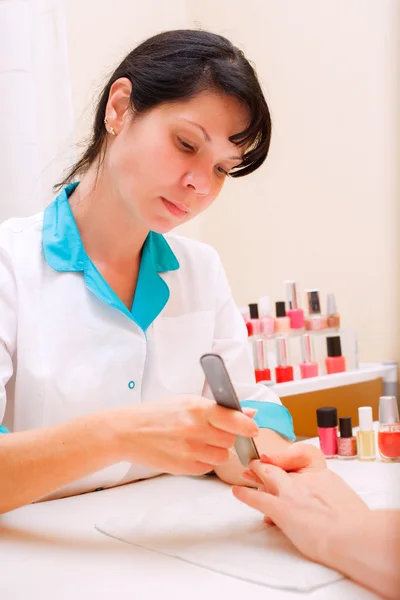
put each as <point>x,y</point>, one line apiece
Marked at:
<point>131,385</point>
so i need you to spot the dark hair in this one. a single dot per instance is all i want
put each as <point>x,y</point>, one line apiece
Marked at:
<point>175,65</point>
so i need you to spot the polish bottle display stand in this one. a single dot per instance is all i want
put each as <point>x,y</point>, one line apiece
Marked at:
<point>347,391</point>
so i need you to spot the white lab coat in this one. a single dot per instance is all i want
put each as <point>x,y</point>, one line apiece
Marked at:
<point>65,353</point>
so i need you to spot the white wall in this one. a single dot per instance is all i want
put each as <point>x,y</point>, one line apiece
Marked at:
<point>324,208</point>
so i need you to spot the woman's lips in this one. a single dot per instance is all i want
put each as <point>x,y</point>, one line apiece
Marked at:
<point>175,209</point>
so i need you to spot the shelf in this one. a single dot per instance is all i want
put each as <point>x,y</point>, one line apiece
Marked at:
<point>366,372</point>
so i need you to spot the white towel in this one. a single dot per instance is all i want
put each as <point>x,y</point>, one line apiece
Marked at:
<point>220,533</point>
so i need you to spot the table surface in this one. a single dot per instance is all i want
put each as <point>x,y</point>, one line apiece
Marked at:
<point>52,550</point>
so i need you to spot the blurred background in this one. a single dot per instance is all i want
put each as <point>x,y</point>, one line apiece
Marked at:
<point>323,210</point>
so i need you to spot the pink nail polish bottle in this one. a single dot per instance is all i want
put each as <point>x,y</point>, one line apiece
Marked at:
<point>267,321</point>
<point>308,367</point>
<point>315,321</point>
<point>335,362</point>
<point>347,442</point>
<point>295,314</point>
<point>327,421</point>
<point>255,326</point>
<point>282,322</point>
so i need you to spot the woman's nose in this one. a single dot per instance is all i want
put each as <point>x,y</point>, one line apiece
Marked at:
<point>199,181</point>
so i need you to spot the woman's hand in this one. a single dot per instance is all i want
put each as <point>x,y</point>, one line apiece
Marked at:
<point>269,441</point>
<point>306,506</point>
<point>183,435</point>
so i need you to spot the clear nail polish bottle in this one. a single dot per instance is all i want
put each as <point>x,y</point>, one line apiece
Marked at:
<point>366,435</point>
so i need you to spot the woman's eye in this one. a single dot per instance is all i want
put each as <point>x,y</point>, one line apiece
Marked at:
<point>186,145</point>
<point>221,171</point>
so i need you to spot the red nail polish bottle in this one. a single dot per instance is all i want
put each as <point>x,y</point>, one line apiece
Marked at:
<point>389,429</point>
<point>260,358</point>
<point>283,371</point>
<point>335,362</point>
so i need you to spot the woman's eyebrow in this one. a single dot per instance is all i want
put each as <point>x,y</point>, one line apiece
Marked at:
<point>207,137</point>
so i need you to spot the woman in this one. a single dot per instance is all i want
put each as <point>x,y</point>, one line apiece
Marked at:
<point>102,318</point>
<point>327,521</point>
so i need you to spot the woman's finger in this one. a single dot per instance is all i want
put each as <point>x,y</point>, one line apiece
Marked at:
<point>232,421</point>
<point>250,412</point>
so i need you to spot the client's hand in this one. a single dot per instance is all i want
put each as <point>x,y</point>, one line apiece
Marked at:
<point>298,458</point>
<point>306,507</point>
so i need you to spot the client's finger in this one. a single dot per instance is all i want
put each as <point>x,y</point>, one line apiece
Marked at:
<point>296,457</point>
<point>275,480</point>
<point>266,503</point>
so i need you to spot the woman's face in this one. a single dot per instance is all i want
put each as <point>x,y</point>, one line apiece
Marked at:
<point>169,164</point>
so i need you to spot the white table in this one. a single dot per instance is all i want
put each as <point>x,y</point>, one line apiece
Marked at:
<point>51,551</point>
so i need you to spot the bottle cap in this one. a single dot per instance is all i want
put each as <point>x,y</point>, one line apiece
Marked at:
<point>346,429</point>
<point>281,352</point>
<point>333,346</point>
<point>280,309</point>
<point>291,294</point>
<point>327,416</point>
<point>314,305</point>
<point>265,306</point>
<point>331,305</point>
<point>306,348</point>
<point>365,420</point>
<point>253,311</point>
<point>260,354</point>
<point>388,410</point>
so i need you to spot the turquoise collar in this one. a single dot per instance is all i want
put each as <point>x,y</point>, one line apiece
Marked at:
<point>63,250</point>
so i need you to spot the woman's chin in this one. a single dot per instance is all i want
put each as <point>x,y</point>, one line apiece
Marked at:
<point>164,225</point>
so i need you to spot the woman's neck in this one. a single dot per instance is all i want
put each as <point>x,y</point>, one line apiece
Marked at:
<point>108,233</point>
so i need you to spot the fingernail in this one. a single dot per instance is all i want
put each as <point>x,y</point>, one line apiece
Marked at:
<point>266,459</point>
<point>249,475</point>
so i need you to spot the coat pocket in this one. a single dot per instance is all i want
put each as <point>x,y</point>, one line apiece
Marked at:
<point>179,342</point>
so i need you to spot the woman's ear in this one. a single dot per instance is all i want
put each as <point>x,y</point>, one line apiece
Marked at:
<point>118,103</point>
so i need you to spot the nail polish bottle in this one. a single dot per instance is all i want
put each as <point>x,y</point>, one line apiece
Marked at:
<point>282,322</point>
<point>366,434</point>
<point>295,314</point>
<point>335,362</point>
<point>315,321</point>
<point>255,327</point>
<point>327,420</point>
<point>267,321</point>
<point>244,311</point>
<point>308,367</point>
<point>389,429</point>
<point>333,319</point>
<point>260,358</point>
<point>283,371</point>
<point>347,442</point>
